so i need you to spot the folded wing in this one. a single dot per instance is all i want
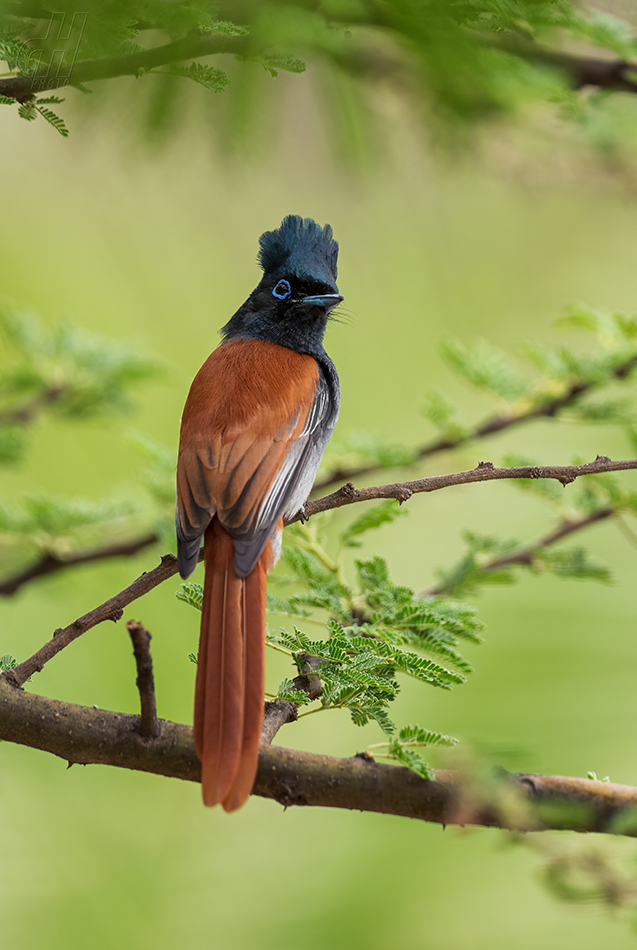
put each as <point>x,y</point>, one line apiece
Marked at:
<point>249,458</point>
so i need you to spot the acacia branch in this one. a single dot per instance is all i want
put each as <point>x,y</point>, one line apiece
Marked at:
<point>24,88</point>
<point>85,735</point>
<point>547,409</point>
<point>26,413</point>
<point>148,725</point>
<point>112,609</point>
<point>484,472</point>
<point>52,563</point>
<point>617,75</point>
<point>527,555</point>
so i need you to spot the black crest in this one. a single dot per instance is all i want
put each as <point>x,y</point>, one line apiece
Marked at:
<point>301,247</point>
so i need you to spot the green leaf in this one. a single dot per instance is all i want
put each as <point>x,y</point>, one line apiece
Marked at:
<point>288,691</point>
<point>371,518</point>
<point>221,27</point>
<point>274,61</point>
<point>67,369</point>
<point>213,79</point>
<point>485,367</point>
<point>416,735</point>
<point>373,573</point>
<point>7,662</point>
<point>53,120</point>
<point>573,563</point>
<point>444,415</point>
<point>28,111</point>
<point>413,760</point>
<point>12,443</point>
<point>191,594</point>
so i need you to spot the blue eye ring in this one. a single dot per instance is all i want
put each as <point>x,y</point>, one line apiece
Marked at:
<point>282,290</point>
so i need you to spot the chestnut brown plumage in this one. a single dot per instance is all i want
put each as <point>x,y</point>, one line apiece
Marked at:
<point>255,425</point>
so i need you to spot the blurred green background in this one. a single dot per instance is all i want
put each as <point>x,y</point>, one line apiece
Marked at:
<point>161,248</point>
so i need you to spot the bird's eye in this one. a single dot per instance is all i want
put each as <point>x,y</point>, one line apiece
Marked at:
<point>282,290</point>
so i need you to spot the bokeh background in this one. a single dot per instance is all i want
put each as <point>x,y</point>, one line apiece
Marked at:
<point>159,246</point>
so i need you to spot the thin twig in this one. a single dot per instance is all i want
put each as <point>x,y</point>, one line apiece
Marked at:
<point>547,410</point>
<point>26,413</point>
<point>527,555</point>
<point>484,472</point>
<point>148,724</point>
<point>52,563</point>
<point>112,609</point>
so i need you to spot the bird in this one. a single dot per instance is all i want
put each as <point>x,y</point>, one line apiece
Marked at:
<point>258,417</point>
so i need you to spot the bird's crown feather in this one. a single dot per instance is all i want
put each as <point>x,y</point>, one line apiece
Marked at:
<point>299,246</point>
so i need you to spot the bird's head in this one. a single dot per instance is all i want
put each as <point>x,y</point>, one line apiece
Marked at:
<point>292,303</point>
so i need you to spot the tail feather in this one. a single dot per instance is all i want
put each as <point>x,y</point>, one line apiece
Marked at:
<point>230,673</point>
<point>254,587</point>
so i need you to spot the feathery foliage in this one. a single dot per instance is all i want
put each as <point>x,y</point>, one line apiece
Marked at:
<point>461,64</point>
<point>65,370</point>
<point>376,631</point>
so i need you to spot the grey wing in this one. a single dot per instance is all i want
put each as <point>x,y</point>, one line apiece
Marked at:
<point>293,482</point>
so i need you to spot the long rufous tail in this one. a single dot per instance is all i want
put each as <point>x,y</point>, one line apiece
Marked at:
<point>230,672</point>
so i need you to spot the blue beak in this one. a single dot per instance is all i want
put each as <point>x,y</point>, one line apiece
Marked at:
<point>326,301</point>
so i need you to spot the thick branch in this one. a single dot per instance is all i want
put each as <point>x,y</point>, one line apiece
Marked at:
<point>84,735</point>
<point>617,75</point>
<point>52,563</point>
<point>548,409</point>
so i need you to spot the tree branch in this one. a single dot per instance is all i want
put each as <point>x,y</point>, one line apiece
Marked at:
<point>148,725</point>
<point>546,410</point>
<point>52,563</point>
<point>26,413</point>
<point>617,75</point>
<point>85,735</point>
<point>527,555</point>
<point>24,88</point>
<point>277,714</point>
<point>484,472</point>
<point>112,609</point>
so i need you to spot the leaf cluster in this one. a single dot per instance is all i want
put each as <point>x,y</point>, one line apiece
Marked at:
<point>64,370</point>
<point>464,62</point>
<point>576,385</point>
<point>376,631</point>
<point>563,380</point>
<point>50,524</point>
